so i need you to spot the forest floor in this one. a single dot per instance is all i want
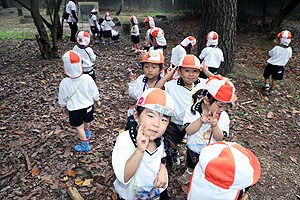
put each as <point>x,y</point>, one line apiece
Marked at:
<point>37,142</point>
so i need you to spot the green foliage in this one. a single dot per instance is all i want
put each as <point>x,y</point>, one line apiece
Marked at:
<point>16,34</point>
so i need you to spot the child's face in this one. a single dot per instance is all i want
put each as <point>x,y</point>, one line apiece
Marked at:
<point>154,122</point>
<point>218,107</point>
<point>151,70</point>
<point>189,75</point>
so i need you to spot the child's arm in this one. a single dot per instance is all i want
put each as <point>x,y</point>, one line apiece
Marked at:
<point>167,77</point>
<point>196,125</point>
<point>161,179</point>
<point>133,162</point>
<point>205,70</point>
<point>216,130</point>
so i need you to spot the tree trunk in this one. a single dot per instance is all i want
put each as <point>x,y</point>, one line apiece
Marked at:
<point>19,8</point>
<point>56,24</point>
<point>5,3</point>
<point>264,16</point>
<point>283,13</point>
<point>219,16</point>
<point>42,39</point>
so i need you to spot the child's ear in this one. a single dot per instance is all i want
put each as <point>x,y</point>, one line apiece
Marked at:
<point>206,100</point>
<point>136,116</point>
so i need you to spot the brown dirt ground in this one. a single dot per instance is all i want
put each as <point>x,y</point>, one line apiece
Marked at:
<point>31,122</point>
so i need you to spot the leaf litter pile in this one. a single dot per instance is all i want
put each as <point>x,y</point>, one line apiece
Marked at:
<point>37,143</point>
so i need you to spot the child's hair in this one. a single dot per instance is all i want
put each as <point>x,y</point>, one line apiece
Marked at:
<point>160,65</point>
<point>101,20</point>
<point>188,48</point>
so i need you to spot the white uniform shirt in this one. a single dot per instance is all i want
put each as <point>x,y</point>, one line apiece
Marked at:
<point>204,135</point>
<point>92,19</point>
<point>135,30</point>
<point>280,55</point>
<point>107,25</point>
<point>71,6</point>
<point>137,86</point>
<point>213,56</point>
<point>88,57</point>
<point>146,172</point>
<point>147,37</point>
<point>84,97</point>
<point>182,96</point>
<point>178,52</point>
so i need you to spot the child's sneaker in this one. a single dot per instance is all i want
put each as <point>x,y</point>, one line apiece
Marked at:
<point>84,146</point>
<point>267,87</point>
<point>103,43</point>
<point>174,156</point>
<point>88,133</point>
<point>272,91</point>
<point>185,177</point>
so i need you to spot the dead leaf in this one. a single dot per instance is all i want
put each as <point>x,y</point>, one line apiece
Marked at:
<point>87,182</point>
<point>3,128</point>
<point>57,131</point>
<point>8,173</point>
<point>289,96</point>
<point>54,75</point>
<point>67,153</point>
<point>19,132</point>
<point>71,173</point>
<point>29,196</point>
<point>270,115</point>
<point>78,181</point>
<point>24,83</point>
<point>43,81</point>
<point>185,189</point>
<point>55,185</point>
<point>294,160</point>
<point>107,177</point>
<point>35,172</point>
<point>65,178</point>
<point>114,196</point>
<point>44,116</point>
<point>115,129</point>
<point>47,179</point>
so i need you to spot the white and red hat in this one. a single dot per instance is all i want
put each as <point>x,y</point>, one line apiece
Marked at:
<point>223,169</point>
<point>221,88</point>
<point>72,64</point>
<point>107,16</point>
<point>189,40</point>
<point>158,35</point>
<point>150,20</point>
<point>153,56</point>
<point>134,19</point>
<point>285,37</point>
<point>157,100</point>
<point>83,38</point>
<point>95,10</point>
<point>212,38</point>
<point>190,61</point>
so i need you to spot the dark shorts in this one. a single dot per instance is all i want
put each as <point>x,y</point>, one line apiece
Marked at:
<point>274,70</point>
<point>107,34</point>
<point>160,47</point>
<point>211,69</point>
<point>192,158</point>
<point>94,29</point>
<point>77,117</point>
<point>135,39</point>
<point>91,73</point>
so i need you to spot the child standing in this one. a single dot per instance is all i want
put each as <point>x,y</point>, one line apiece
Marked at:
<point>157,36</point>
<point>72,20</point>
<point>107,25</point>
<point>149,23</point>
<point>181,91</point>
<point>138,155</point>
<point>212,55</point>
<point>87,53</point>
<point>135,33</point>
<point>94,25</point>
<point>77,94</point>
<point>180,51</point>
<point>206,121</point>
<point>225,170</point>
<point>152,64</point>
<point>279,56</point>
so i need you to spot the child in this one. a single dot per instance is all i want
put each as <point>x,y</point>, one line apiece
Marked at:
<point>181,91</point>
<point>225,171</point>
<point>107,25</point>
<point>158,40</point>
<point>72,19</point>
<point>180,51</point>
<point>93,24</point>
<point>212,55</point>
<point>77,94</point>
<point>135,33</point>
<point>87,53</point>
<point>206,121</point>
<point>152,64</point>
<point>139,152</point>
<point>149,23</point>
<point>279,56</point>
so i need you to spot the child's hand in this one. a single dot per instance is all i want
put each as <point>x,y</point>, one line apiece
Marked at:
<point>204,119</point>
<point>171,70</point>
<point>132,76</point>
<point>213,119</point>
<point>142,138</point>
<point>203,66</point>
<point>161,179</point>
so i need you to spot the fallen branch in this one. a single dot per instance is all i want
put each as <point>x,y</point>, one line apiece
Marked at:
<point>27,161</point>
<point>74,194</point>
<point>246,102</point>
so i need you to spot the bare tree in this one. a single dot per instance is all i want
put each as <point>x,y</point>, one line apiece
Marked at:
<point>48,51</point>
<point>219,16</point>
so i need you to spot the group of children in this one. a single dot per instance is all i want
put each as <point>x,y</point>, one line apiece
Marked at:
<point>187,100</point>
